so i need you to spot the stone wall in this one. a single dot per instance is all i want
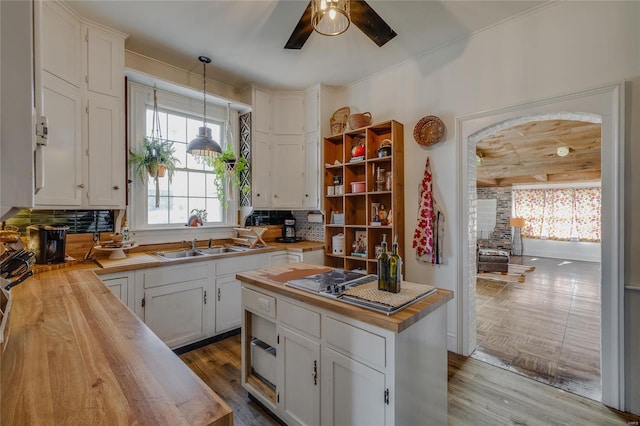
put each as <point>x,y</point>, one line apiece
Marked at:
<point>500,238</point>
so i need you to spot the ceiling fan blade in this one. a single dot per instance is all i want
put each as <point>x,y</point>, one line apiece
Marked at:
<point>302,31</point>
<point>370,23</point>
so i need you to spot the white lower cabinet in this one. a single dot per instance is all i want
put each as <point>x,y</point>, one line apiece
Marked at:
<point>299,382</point>
<point>121,284</point>
<point>352,393</point>
<point>315,257</point>
<point>176,302</point>
<point>335,370</point>
<point>178,314</point>
<point>228,311</point>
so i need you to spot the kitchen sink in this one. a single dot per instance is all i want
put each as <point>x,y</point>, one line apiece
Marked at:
<point>219,250</point>
<point>178,254</point>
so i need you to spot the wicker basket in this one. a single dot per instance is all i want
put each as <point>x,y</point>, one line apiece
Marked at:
<point>357,121</point>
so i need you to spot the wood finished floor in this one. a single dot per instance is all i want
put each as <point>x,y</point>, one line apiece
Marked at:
<point>479,394</point>
<point>546,328</point>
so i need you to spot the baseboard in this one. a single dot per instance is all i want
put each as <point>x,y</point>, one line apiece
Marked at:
<point>197,345</point>
<point>261,405</point>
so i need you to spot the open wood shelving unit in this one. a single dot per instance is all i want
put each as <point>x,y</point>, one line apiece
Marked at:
<point>357,207</point>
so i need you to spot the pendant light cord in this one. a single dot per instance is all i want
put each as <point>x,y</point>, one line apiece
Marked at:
<point>156,131</point>
<point>204,90</point>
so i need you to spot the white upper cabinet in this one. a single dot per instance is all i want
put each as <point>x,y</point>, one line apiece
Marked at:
<point>311,109</point>
<point>262,113</point>
<point>61,43</point>
<point>106,150</point>
<point>288,114</point>
<point>288,172</point>
<point>63,154</point>
<point>83,97</point>
<point>105,62</point>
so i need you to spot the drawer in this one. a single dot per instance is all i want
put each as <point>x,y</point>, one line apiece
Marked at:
<point>259,303</point>
<point>299,318</point>
<point>361,345</point>
<point>233,265</point>
<point>264,330</point>
<point>175,274</point>
<point>263,361</point>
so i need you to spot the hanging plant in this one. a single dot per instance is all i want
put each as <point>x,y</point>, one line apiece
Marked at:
<point>227,169</point>
<point>156,158</point>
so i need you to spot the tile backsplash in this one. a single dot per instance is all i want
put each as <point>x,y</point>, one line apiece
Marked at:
<point>304,229</point>
<point>78,221</point>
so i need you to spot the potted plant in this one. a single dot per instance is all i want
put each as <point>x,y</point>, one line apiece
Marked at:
<point>227,166</point>
<point>198,217</point>
<point>155,159</point>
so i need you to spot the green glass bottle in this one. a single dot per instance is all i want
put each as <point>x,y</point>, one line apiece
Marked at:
<point>383,266</point>
<point>395,268</point>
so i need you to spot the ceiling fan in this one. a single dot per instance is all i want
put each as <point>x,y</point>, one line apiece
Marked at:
<point>362,15</point>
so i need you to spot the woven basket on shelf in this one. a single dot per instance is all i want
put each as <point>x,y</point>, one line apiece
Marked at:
<point>357,121</point>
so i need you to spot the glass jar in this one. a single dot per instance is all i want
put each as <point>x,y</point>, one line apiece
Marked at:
<point>388,182</point>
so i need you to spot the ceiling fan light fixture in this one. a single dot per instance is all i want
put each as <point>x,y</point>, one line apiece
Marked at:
<point>330,17</point>
<point>203,145</point>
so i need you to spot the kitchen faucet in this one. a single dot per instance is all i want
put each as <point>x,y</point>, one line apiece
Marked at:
<point>192,244</point>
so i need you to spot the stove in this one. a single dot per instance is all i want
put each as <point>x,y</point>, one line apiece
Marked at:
<point>333,283</point>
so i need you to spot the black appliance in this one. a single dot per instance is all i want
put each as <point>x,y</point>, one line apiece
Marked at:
<point>48,242</point>
<point>289,230</point>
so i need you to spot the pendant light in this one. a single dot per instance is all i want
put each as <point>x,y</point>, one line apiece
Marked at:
<point>204,145</point>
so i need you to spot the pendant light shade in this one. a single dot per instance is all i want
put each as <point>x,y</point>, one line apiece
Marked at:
<point>330,17</point>
<point>204,145</point>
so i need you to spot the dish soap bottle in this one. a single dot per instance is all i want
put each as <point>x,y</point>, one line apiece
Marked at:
<point>383,266</point>
<point>125,231</point>
<point>395,268</point>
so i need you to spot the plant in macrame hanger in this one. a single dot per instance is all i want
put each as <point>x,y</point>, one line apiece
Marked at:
<point>156,158</point>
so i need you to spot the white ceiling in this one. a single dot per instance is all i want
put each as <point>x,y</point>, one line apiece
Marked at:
<point>245,39</point>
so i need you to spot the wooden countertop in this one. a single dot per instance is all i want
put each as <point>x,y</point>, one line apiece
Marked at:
<point>273,279</point>
<point>77,355</point>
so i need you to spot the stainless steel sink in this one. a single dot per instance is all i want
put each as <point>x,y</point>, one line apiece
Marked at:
<point>178,254</point>
<point>220,250</point>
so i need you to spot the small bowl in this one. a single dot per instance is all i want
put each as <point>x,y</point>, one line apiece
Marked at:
<point>357,187</point>
<point>116,238</point>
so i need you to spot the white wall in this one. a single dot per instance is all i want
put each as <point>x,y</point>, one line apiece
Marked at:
<point>563,48</point>
<point>568,250</point>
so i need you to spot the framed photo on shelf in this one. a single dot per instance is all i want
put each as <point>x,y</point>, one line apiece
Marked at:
<point>359,248</point>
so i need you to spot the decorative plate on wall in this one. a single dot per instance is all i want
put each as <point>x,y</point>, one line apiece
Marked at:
<point>429,130</point>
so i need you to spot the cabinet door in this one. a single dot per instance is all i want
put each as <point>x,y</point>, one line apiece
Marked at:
<point>63,154</point>
<point>288,164</point>
<point>312,171</point>
<point>119,287</point>
<point>105,62</point>
<point>353,394</point>
<point>177,314</point>
<point>299,382</point>
<point>288,114</point>
<point>278,259</point>
<point>311,110</point>
<point>261,164</point>
<point>106,150</point>
<point>228,303</point>
<point>261,111</point>
<point>61,43</point>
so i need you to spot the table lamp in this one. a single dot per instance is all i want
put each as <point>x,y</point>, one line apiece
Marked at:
<point>516,244</point>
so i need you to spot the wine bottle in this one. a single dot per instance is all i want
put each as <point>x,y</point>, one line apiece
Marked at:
<point>395,268</point>
<point>383,266</point>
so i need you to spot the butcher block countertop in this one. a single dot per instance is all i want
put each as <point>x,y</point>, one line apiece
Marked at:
<point>273,279</point>
<point>77,356</point>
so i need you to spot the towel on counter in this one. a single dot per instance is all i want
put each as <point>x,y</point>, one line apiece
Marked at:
<point>428,237</point>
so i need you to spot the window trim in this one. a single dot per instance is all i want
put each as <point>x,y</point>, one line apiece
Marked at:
<point>140,97</point>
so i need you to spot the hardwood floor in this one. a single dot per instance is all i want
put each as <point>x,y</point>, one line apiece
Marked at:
<point>479,393</point>
<point>546,328</point>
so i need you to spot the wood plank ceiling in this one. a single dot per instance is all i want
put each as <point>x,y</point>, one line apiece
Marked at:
<point>527,154</point>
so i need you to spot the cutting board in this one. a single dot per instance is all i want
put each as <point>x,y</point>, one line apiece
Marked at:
<point>131,259</point>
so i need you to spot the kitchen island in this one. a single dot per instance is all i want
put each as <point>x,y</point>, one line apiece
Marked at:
<point>316,360</point>
<point>77,355</point>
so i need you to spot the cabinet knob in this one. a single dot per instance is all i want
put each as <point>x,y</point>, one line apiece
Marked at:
<point>275,195</point>
<point>306,195</point>
<point>257,195</point>
<point>81,185</point>
<point>116,187</point>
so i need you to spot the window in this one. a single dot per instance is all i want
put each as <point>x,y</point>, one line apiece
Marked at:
<point>564,214</point>
<point>192,185</point>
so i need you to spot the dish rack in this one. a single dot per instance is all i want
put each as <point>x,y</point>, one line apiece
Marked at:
<point>250,236</point>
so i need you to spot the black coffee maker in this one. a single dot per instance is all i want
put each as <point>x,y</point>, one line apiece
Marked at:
<point>289,230</point>
<point>48,242</point>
